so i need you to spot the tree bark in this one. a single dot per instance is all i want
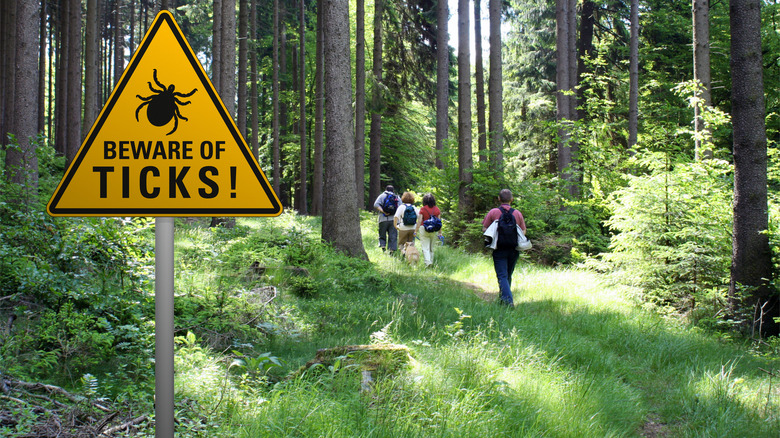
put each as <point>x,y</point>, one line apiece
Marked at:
<point>496,88</point>
<point>319,112</point>
<point>304,189</point>
<point>360,103</point>
<point>701,74</point>
<point>42,34</point>
<point>228,57</point>
<point>375,133</point>
<point>74,80</point>
<point>8,56</point>
<point>562,87</point>
<point>340,219</point>
<point>751,263</point>
<point>21,161</point>
<point>465,160</point>
<point>243,37</point>
<point>119,50</point>
<point>442,80</point>
<point>633,94</point>
<point>479,82</point>
<point>585,50</point>
<point>61,81</point>
<point>216,44</point>
<point>277,174</point>
<point>91,65</point>
<point>255,128</point>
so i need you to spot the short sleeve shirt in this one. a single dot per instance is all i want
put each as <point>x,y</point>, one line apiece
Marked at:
<point>399,214</point>
<point>426,212</point>
<point>495,213</point>
<point>381,200</point>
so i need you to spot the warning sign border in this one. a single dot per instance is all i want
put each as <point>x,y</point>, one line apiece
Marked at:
<point>53,208</point>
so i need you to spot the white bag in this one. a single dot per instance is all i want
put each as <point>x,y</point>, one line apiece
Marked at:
<point>491,235</point>
<point>523,244</point>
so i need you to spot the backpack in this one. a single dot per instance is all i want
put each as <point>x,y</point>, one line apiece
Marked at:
<point>390,204</point>
<point>410,216</point>
<point>432,224</point>
<point>507,230</point>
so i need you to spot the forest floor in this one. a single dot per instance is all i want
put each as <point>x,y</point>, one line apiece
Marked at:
<point>577,356</point>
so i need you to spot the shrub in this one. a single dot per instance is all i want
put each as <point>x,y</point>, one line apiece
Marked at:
<point>673,232</point>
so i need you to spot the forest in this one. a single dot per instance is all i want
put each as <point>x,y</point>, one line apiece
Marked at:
<point>640,141</point>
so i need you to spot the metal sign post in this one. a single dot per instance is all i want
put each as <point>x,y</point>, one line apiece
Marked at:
<point>163,327</point>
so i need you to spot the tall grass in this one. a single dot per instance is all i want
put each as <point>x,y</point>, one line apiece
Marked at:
<point>575,358</point>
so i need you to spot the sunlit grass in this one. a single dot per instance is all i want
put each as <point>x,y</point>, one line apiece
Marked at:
<point>575,358</point>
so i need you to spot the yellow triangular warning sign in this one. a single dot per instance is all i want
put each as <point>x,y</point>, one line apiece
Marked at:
<point>164,145</point>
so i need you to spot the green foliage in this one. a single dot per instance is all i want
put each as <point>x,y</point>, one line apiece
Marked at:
<point>74,290</point>
<point>673,232</point>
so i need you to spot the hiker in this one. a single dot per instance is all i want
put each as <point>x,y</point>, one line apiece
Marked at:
<point>505,255</point>
<point>428,213</point>
<point>405,219</point>
<point>386,204</point>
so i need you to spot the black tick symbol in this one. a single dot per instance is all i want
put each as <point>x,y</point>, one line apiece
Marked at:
<point>163,105</point>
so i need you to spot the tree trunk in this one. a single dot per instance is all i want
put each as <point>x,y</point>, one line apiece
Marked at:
<point>633,94</point>
<point>216,44</point>
<point>61,81</point>
<point>22,162</point>
<point>319,109</point>
<point>74,80</point>
<point>119,50</point>
<point>562,87</point>
<point>277,174</point>
<point>442,80</point>
<point>228,57</point>
<point>255,129</point>
<point>585,49</point>
<point>340,218</point>
<point>304,189</point>
<point>465,160</point>
<point>496,88</point>
<point>751,263</point>
<point>375,133</point>
<point>243,19</point>
<point>42,34</point>
<point>91,65</point>
<point>360,104</point>
<point>131,39</point>
<point>9,68</point>
<point>479,82</point>
<point>701,74</point>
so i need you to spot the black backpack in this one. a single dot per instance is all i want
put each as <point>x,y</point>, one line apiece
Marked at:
<point>390,204</point>
<point>507,230</point>
<point>410,216</point>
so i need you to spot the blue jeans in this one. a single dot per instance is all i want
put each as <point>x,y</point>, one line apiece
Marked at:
<point>504,261</point>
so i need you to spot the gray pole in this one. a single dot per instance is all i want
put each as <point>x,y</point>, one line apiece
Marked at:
<point>163,328</point>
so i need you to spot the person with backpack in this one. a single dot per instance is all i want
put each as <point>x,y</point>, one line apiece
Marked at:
<point>405,219</point>
<point>505,255</point>
<point>387,204</point>
<point>428,226</point>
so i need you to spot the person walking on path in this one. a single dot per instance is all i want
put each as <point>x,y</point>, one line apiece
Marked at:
<point>428,209</point>
<point>405,219</point>
<point>386,204</point>
<point>504,259</point>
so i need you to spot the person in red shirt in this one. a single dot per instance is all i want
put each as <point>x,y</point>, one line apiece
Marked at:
<point>428,209</point>
<point>504,260</point>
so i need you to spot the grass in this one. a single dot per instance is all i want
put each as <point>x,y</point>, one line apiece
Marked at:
<point>575,358</point>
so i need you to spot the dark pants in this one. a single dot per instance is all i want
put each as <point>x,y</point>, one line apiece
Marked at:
<point>388,235</point>
<point>504,261</point>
